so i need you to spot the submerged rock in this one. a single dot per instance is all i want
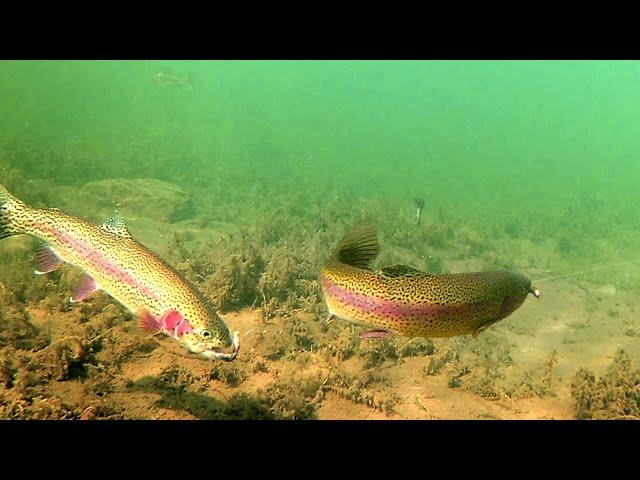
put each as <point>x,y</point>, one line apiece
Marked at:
<point>157,213</point>
<point>133,198</point>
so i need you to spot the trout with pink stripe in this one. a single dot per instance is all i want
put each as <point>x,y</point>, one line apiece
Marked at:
<point>402,300</point>
<point>113,261</point>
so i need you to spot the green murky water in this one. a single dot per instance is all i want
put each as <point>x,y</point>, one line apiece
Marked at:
<point>526,165</point>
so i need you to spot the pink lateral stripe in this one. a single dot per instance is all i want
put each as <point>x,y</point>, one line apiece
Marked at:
<point>99,261</point>
<point>387,308</point>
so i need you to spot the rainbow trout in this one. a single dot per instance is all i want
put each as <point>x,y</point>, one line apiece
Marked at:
<point>113,261</point>
<point>402,300</point>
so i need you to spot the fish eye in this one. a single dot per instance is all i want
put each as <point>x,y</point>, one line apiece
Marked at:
<point>206,333</point>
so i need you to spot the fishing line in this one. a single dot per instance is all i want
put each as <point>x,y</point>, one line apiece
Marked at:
<point>594,268</point>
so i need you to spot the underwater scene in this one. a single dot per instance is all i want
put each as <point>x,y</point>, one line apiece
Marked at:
<point>319,240</point>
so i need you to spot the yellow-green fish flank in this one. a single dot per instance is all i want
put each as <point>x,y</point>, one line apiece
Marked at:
<point>113,261</point>
<point>405,301</point>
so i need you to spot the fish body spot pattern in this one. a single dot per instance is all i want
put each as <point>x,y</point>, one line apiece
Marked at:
<point>408,302</point>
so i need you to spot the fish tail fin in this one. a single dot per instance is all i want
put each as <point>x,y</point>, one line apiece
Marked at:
<point>10,213</point>
<point>359,246</point>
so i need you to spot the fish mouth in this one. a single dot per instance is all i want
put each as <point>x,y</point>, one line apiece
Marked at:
<point>215,353</point>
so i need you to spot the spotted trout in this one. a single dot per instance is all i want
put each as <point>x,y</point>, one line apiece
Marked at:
<point>402,300</point>
<point>114,262</point>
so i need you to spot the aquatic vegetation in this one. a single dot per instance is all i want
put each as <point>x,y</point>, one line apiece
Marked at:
<point>288,337</point>
<point>66,359</point>
<point>486,368</point>
<point>294,396</point>
<point>375,353</point>
<point>27,376</point>
<point>103,410</point>
<point>229,373</point>
<point>566,245</point>
<point>175,378</point>
<point>173,387</point>
<point>593,304</point>
<point>615,395</point>
<point>38,409</point>
<point>483,381</point>
<point>438,360</point>
<point>366,388</point>
<point>121,351</point>
<point>7,370</point>
<point>17,331</point>
<point>417,347</point>
<point>288,280</point>
<point>539,381</point>
<point>455,379</point>
<point>492,374</point>
<point>100,381</point>
<point>229,278</point>
<point>342,345</point>
<point>275,344</point>
<point>513,228</point>
<point>259,364</point>
<point>301,334</point>
<point>234,274</point>
<point>579,324</point>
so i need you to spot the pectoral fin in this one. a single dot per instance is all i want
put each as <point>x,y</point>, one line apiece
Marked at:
<point>148,322</point>
<point>482,328</point>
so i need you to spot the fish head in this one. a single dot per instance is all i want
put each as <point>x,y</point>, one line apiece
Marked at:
<point>212,339</point>
<point>518,286</point>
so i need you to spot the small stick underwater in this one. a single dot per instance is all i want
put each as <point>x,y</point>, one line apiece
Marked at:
<point>419,203</point>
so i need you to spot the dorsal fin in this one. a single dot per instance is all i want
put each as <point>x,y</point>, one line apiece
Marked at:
<point>117,226</point>
<point>399,271</point>
<point>359,247</point>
